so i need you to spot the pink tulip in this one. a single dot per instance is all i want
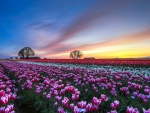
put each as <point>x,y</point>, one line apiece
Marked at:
<point>76,109</point>
<point>72,106</point>
<point>103,97</point>
<point>13,111</point>
<point>7,110</point>
<point>86,90</point>
<point>4,100</point>
<point>132,110</point>
<point>96,101</point>
<point>11,107</point>
<point>44,94</point>
<point>82,104</point>
<point>65,102</point>
<point>56,104</point>
<point>48,96</point>
<point>113,111</point>
<point>146,111</point>
<point>13,96</point>
<point>2,110</point>
<point>116,102</point>
<point>61,110</point>
<point>58,98</point>
<point>112,105</point>
<point>95,107</point>
<point>89,107</point>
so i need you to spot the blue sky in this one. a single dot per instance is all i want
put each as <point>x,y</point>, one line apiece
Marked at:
<point>53,28</point>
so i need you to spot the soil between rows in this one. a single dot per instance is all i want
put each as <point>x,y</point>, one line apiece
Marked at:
<point>24,109</point>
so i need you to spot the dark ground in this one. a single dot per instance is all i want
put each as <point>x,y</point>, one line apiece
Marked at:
<point>24,109</point>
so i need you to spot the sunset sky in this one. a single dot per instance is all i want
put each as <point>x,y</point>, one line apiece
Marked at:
<point>54,28</point>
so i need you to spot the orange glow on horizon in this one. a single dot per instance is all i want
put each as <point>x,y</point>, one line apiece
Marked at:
<point>130,46</point>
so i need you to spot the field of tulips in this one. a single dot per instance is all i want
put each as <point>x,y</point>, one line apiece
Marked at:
<point>7,93</point>
<point>72,88</point>
<point>112,62</point>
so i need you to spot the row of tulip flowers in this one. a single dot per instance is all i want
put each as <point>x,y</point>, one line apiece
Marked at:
<point>7,93</point>
<point>114,62</point>
<point>133,70</point>
<point>52,89</point>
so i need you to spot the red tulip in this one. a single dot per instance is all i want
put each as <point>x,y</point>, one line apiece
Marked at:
<point>2,93</point>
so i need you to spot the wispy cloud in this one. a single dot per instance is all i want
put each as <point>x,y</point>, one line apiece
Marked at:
<point>83,21</point>
<point>51,26</point>
<point>122,40</point>
<point>127,40</point>
<point>94,27</point>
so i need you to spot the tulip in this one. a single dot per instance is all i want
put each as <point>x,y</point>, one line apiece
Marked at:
<point>86,90</point>
<point>2,109</point>
<point>146,111</point>
<point>112,105</point>
<point>95,107</point>
<point>38,91</point>
<point>13,96</point>
<point>11,107</point>
<point>89,107</point>
<point>73,97</point>
<point>96,101</point>
<point>7,110</point>
<point>56,104</point>
<point>103,97</point>
<point>44,94</point>
<point>72,106</point>
<point>113,111</point>
<point>61,110</point>
<point>13,111</point>
<point>58,98</point>
<point>132,110</point>
<point>65,101</point>
<point>2,93</point>
<point>147,91</point>
<point>82,104</point>
<point>116,103</point>
<point>48,96</point>
<point>4,100</point>
<point>145,100</point>
<point>76,109</point>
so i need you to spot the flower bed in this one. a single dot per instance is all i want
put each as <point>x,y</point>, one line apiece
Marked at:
<point>112,62</point>
<point>52,89</point>
<point>7,93</point>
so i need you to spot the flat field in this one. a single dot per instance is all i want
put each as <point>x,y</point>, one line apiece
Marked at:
<point>75,86</point>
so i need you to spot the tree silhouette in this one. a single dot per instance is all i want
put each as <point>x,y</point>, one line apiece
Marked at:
<point>16,57</point>
<point>21,53</point>
<point>26,52</point>
<point>76,54</point>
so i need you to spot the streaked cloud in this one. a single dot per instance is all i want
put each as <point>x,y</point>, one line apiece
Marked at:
<point>85,20</point>
<point>118,45</point>
<point>98,28</point>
